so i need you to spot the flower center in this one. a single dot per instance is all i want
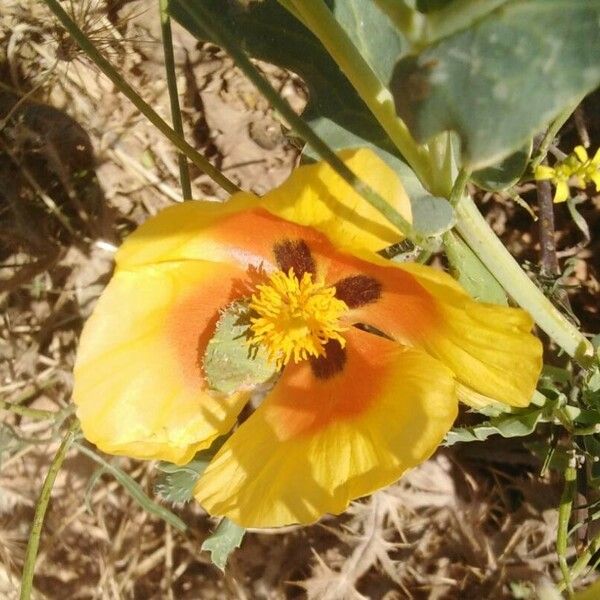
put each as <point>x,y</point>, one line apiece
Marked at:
<point>295,317</point>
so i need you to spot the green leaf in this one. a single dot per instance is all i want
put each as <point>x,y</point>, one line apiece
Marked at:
<point>230,365</point>
<point>471,273</point>
<point>360,19</point>
<point>226,538</point>
<point>503,78</point>
<point>175,483</point>
<point>135,489</point>
<point>518,423</point>
<point>504,174</point>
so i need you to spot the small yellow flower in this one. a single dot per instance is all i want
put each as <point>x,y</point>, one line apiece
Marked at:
<point>351,411</point>
<point>576,169</point>
<point>589,170</point>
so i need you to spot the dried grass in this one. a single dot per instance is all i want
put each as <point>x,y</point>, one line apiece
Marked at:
<point>453,528</point>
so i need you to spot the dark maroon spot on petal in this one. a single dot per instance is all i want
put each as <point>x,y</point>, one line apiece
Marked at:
<point>294,254</point>
<point>358,290</point>
<point>332,363</point>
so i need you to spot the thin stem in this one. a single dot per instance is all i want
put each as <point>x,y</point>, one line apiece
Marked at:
<point>548,259</point>
<point>319,19</point>
<point>25,411</point>
<point>458,189</point>
<point>564,515</point>
<point>200,161</point>
<point>484,242</point>
<point>551,134</point>
<point>583,561</point>
<point>134,488</point>
<point>203,18</point>
<point>167,42</point>
<point>40,512</point>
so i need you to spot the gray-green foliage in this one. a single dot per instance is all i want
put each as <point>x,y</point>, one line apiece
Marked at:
<point>226,538</point>
<point>503,78</point>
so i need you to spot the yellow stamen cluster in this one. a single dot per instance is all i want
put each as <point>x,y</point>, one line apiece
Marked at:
<point>295,317</point>
<point>577,169</point>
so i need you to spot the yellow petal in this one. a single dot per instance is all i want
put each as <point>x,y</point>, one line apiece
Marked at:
<point>596,159</point>
<point>595,177</point>
<point>489,348</point>
<point>139,385</point>
<point>317,196</point>
<point>562,192</point>
<point>544,172</point>
<point>316,444</point>
<point>581,153</point>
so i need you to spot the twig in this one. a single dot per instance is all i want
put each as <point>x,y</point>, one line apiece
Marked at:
<point>547,231</point>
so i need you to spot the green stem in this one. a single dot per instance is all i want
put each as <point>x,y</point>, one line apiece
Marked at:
<point>483,241</point>
<point>200,161</point>
<point>40,512</point>
<point>319,19</point>
<point>25,411</point>
<point>167,42</point>
<point>564,515</point>
<point>458,189</point>
<point>583,561</point>
<point>203,17</point>
<point>551,133</point>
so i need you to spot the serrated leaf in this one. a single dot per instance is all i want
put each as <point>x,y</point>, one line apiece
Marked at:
<point>506,173</point>
<point>176,483</point>
<point>226,538</point>
<point>229,364</point>
<point>516,424</point>
<point>471,273</point>
<point>503,78</point>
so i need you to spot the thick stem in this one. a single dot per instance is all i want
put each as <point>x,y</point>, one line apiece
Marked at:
<point>223,37</point>
<point>548,259</point>
<point>483,241</point>
<point>564,515</point>
<point>202,163</point>
<point>40,512</point>
<point>167,42</point>
<point>319,19</point>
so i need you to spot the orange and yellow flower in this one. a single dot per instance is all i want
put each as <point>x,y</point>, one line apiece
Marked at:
<point>372,355</point>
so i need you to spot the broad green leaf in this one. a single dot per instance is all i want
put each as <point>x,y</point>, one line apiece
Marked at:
<point>268,32</point>
<point>471,273</point>
<point>226,538</point>
<point>506,173</point>
<point>361,19</point>
<point>230,365</point>
<point>503,78</point>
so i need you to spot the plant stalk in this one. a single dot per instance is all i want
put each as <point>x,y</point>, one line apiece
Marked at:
<point>40,512</point>
<point>167,42</point>
<point>483,241</point>
<point>200,161</point>
<point>319,19</point>
<point>564,515</point>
